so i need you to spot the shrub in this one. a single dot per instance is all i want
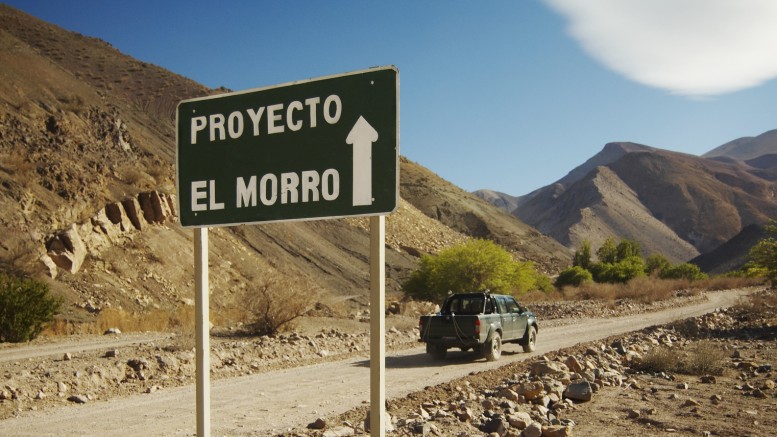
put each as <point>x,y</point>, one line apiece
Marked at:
<point>276,303</point>
<point>583,255</point>
<point>660,359</point>
<point>473,266</point>
<point>25,308</point>
<point>763,256</point>
<point>619,272</point>
<point>706,359</point>
<point>688,271</point>
<point>657,264</point>
<point>574,276</point>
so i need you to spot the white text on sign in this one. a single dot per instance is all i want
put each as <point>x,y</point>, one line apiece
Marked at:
<point>286,188</point>
<point>274,119</point>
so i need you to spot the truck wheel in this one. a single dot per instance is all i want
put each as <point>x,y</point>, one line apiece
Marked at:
<point>493,348</point>
<point>530,341</point>
<point>437,351</point>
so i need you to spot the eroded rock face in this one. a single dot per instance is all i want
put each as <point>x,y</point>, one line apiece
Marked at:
<point>67,250</point>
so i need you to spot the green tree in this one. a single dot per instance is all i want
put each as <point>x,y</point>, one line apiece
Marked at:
<point>608,252</point>
<point>583,255</point>
<point>25,308</point>
<point>627,249</point>
<point>763,256</point>
<point>476,265</point>
<point>656,264</point>
<point>574,276</point>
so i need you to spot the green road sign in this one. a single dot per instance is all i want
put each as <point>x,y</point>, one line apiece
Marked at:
<point>320,148</point>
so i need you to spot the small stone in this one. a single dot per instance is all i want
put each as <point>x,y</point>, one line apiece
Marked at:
<point>111,331</point>
<point>690,403</point>
<point>633,414</point>
<point>557,431</point>
<point>320,423</point>
<point>113,353</point>
<point>67,357</point>
<point>78,399</point>
<point>533,430</point>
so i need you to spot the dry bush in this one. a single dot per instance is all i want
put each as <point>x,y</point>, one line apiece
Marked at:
<point>275,303</point>
<point>660,359</point>
<point>730,282</point>
<point>132,175</point>
<point>707,358</point>
<point>649,290</point>
<point>544,296</point>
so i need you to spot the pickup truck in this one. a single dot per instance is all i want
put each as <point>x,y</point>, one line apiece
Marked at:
<point>478,321</point>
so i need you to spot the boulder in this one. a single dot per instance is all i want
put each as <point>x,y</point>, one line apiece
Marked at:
<point>579,391</point>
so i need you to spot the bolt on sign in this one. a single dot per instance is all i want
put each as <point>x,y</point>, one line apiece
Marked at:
<point>320,148</point>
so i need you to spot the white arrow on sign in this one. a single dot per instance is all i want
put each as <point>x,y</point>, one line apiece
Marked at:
<point>362,136</point>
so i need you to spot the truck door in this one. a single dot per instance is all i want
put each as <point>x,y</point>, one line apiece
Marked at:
<point>508,318</point>
<point>520,319</point>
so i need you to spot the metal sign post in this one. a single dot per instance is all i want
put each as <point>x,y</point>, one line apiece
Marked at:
<point>377,326</point>
<point>202,331</point>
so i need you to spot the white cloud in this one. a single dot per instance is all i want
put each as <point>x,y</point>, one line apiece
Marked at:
<point>689,47</point>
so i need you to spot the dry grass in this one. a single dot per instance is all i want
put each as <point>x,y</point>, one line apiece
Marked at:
<point>647,290</point>
<point>759,304</point>
<point>153,320</point>
<point>179,320</point>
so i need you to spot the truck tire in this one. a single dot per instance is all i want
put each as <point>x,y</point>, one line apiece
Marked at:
<point>492,348</point>
<point>437,351</point>
<point>529,342</point>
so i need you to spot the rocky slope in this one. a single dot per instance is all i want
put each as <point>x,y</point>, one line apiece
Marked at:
<point>87,193</point>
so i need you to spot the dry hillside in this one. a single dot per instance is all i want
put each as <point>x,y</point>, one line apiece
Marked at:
<point>672,203</point>
<point>87,194</point>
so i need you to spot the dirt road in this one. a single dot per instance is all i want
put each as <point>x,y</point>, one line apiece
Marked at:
<point>265,404</point>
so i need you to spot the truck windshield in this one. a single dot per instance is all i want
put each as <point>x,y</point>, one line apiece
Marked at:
<point>465,305</point>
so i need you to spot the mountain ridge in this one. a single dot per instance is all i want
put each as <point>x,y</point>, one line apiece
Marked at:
<point>695,204</point>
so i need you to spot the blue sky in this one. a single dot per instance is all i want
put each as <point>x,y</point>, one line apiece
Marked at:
<point>505,95</point>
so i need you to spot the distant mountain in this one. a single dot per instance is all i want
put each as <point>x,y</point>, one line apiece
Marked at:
<point>732,254</point>
<point>672,203</point>
<point>467,213</point>
<point>746,148</point>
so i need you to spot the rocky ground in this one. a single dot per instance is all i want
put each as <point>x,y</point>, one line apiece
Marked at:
<point>593,389</point>
<point>706,376</point>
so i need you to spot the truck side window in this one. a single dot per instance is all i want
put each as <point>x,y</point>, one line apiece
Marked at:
<point>501,304</point>
<point>489,305</point>
<point>512,306</point>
